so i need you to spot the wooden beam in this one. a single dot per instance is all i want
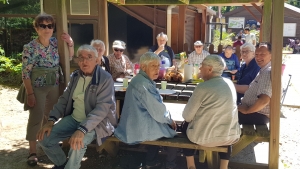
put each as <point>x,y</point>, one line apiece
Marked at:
<point>197,27</point>
<point>174,33</point>
<point>103,24</point>
<point>181,28</point>
<point>61,26</point>
<point>257,8</point>
<point>277,41</point>
<point>203,25</point>
<point>258,20</point>
<point>267,15</point>
<point>185,1</point>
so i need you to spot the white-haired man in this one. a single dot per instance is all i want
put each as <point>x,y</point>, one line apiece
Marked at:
<point>87,111</point>
<point>198,55</point>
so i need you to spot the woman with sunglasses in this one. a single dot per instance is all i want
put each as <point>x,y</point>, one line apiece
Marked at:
<point>120,65</point>
<point>41,77</point>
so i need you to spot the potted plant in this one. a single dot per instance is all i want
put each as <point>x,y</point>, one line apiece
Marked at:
<point>286,51</point>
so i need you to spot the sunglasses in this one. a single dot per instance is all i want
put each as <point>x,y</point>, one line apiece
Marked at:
<point>117,50</point>
<point>49,26</point>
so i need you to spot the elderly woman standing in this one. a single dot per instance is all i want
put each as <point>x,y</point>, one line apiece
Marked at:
<point>162,49</point>
<point>120,65</point>
<point>249,69</point>
<point>211,113</point>
<point>40,74</point>
<point>144,115</point>
<point>102,60</point>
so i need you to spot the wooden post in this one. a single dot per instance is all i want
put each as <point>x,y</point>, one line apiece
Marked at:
<point>181,27</point>
<point>277,40</point>
<point>197,27</point>
<point>266,28</point>
<point>61,26</point>
<point>103,24</point>
<point>203,25</point>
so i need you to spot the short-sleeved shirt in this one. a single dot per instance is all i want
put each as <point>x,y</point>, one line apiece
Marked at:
<point>117,66</point>
<point>249,38</point>
<point>260,85</point>
<point>36,55</point>
<point>195,58</point>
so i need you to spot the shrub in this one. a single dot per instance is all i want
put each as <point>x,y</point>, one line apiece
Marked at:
<point>226,39</point>
<point>10,71</point>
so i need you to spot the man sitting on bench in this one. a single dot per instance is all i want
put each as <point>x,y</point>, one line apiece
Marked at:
<point>255,108</point>
<point>144,116</point>
<point>211,113</point>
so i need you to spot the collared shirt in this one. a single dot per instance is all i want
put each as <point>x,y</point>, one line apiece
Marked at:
<point>144,115</point>
<point>246,75</point>
<point>195,58</point>
<point>260,85</point>
<point>78,97</point>
<point>117,66</point>
<point>35,55</point>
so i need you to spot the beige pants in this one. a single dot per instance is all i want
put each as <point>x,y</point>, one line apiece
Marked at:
<point>45,97</point>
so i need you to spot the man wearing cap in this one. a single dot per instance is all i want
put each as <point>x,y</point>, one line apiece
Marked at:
<point>198,55</point>
<point>120,65</point>
<point>249,37</point>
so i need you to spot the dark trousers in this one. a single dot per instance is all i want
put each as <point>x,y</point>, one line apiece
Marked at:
<point>253,118</point>
<point>152,154</point>
<point>190,152</point>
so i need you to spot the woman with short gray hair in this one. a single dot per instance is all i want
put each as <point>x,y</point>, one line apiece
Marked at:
<point>211,116</point>
<point>164,51</point>
<point>249,68</point>
<point>102,60</point>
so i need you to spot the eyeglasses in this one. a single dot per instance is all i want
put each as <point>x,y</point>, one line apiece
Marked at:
<point>81,59</point>
<point>49,26</point>
<point>117,50</point>
<point>198,46</point>
<point>246,52</point>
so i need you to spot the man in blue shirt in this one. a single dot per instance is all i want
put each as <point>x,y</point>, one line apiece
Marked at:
<point>232,62</point>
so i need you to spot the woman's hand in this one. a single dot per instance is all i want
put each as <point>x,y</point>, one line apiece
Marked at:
<point>159,49</point>
<point>67,38</point>
<point>31,100</point>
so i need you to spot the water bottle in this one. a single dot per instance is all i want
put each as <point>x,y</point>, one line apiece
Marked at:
<point>162,70</point>
<point>195,71</point>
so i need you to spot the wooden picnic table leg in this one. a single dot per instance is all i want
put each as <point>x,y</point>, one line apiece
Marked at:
<point>244,141</point>
<point>212,159</point>
<point>202,156</point>
<point>110,147</point>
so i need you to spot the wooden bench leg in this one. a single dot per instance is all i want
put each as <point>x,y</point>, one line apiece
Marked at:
<point>202,156</point>
<point>110,147</point>
<point>212,159</point>
<point>244,141</point>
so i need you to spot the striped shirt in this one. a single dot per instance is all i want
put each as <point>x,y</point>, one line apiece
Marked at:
<point>260,85</point>
<point>118,66</point>
<point>195,58</point>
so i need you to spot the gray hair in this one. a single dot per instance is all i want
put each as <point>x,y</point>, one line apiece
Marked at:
<point>162,35</point>
<point>216,62</point>
<point>98,42</point>
<point>148,57</point>
<point>248,45</point>
<point>87,48</point>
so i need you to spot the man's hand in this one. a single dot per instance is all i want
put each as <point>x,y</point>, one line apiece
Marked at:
<point>243,109</point>
<point>76,141</point>
<point>233,71</point>
<point>45,129</point>
<point>174,126</point>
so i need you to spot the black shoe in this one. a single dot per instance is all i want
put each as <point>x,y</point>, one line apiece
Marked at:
<point>155,166</point>
<point>58,167</point>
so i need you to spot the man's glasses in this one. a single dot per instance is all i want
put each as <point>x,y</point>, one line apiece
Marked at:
<point>49,26</point>
<point>81,59</point>
<point>198,46</point>
<point>117,50</point>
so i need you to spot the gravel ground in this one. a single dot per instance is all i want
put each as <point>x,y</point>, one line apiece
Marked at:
<point>13,147</point>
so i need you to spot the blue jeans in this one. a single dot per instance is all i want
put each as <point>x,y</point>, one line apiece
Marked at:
<point>61,131</point>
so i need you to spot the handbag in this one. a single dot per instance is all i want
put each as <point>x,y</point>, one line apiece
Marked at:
<point>22,96</point>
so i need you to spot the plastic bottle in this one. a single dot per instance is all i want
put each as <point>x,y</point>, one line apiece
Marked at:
<point>195,71</point>
<point>167,61</point>
<point>162,70</point>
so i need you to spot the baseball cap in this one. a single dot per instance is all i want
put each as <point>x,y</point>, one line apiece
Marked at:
<point>119,44</point>
<point>198,43</point>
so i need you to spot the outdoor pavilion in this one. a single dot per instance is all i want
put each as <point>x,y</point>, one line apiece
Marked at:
<point>271,31</point>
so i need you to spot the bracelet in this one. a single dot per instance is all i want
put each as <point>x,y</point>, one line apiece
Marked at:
<point>30,94</point>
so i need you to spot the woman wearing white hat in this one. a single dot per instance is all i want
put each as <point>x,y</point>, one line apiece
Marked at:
<point>120,65</point>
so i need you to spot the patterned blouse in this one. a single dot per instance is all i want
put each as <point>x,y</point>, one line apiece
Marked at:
<point>35,55</point>
<point>118,66</point>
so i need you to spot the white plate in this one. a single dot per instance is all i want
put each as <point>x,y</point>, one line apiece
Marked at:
<point>121,79</point>
<point>227,71</point>
<point>118,84</point>
<point>166,91</point>
<point>120,88</point>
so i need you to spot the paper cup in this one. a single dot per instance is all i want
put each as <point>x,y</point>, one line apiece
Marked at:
<point>163,84</point>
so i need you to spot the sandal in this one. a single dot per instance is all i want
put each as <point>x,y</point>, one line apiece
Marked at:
<point>32,161</point>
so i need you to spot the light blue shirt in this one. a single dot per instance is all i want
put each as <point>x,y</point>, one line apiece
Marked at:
<point>144,116</point>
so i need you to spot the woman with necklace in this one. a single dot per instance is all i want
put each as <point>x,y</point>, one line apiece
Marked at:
<point>41,77</point>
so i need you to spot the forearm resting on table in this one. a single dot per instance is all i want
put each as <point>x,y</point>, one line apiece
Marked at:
<point>28,86</point>
<point>241,88</point>
<point>260,103</point>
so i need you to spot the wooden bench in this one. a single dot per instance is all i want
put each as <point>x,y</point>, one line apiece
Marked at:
<point>181,141</point>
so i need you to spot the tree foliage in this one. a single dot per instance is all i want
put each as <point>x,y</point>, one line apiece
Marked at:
<point>224,9</point>
<point>295,3</point>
